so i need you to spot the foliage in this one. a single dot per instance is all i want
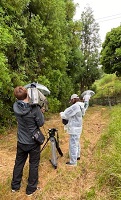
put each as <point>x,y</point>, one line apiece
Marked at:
<point>34,47</point>
<point>108,85</point>
<point>90,48</point>
<point>40,42</point>
<point>54,105</point>
<point>111,52</point>
<point>109,169</point>
<point>5,77</point>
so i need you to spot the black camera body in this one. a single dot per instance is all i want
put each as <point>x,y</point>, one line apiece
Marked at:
<point>52,132</point>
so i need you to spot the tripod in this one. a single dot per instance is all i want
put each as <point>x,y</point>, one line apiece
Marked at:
<point>54,145</point>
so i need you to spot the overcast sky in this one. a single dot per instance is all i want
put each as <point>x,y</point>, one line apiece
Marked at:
<point>107,13</point>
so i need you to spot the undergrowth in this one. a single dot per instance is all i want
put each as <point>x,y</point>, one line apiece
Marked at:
<point>109,157</point>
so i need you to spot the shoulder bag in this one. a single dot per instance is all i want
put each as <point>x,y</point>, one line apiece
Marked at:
<point>37,136</point>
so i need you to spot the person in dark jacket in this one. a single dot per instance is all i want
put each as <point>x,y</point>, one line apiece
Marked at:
<point>29,119</point>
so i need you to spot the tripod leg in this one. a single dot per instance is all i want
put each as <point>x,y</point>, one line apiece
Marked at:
<point>58,148</point>
<point>54,156</point>
<point>44,145</point>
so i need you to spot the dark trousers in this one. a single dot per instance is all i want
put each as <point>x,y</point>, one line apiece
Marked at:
<point>23,150</point>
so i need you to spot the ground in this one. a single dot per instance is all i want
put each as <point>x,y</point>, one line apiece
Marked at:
<point>95,123</point>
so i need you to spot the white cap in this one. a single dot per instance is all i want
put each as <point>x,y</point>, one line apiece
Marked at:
<point>74,96</point>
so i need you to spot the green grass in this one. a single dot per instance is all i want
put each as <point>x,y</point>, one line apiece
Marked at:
<point>109,157</point>
<point>108,85</point>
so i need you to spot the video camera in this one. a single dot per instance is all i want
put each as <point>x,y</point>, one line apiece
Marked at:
<point>37,98</point>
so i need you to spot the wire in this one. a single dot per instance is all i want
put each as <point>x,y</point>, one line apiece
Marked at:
<point>108,19</point>
<point>108,16</point>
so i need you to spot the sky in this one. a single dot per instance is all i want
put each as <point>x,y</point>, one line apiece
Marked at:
<point>107,13</point>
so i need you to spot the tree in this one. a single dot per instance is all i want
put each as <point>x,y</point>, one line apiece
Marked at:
<point>90,44</point>
<point>39,42</point>
<point>111,52</point>
<point>75,54</point>
<point>35,46</point>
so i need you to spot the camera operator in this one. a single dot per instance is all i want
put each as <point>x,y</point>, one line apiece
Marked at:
<point>29,119</point>
<point>73,115</point>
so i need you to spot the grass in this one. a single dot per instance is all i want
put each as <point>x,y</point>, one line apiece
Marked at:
<point>109,156</point>
<point>97,175</point>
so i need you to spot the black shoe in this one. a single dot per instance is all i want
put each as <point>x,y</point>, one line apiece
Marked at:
<point>70,164</point>
<point>78,158</point>
<point>31,193</point>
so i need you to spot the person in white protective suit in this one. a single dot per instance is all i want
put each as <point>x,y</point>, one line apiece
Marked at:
<point>73,115</point>
<point>86,99</point>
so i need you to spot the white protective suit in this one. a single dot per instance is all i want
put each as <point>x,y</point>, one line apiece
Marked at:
<point>86,99</point>
<point>74,115</point>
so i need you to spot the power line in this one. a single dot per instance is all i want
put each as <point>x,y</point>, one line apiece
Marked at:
<point>109,19</point>
<point>108,16</point>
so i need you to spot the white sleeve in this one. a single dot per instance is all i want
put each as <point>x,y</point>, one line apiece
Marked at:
<point>62,115</point>
<point>71,111</point>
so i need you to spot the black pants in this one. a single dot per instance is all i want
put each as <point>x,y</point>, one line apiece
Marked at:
<point>23,150</point>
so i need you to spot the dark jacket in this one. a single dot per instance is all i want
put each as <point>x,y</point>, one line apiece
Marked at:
<point>29,119</point>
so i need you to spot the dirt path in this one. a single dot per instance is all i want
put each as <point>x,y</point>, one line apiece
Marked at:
<point>95,122</point>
